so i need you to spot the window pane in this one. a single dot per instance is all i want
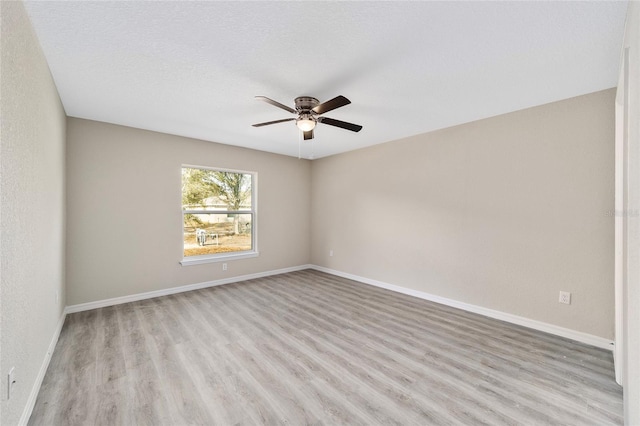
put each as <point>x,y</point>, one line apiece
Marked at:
<point>213,233</point>
<point>215,190</point>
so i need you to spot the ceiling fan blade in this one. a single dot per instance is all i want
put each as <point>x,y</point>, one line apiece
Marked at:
<point>308,135</point>
<point>341,124</point>
<point>266,123</point>
<point>276,103</point>
<point>337,102</point>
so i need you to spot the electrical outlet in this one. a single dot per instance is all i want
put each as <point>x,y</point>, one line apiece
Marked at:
<point>565,297</point>
<point>11,380</point>
<point>57,296</point>
<point>224,266</point>
<point>330,253</point>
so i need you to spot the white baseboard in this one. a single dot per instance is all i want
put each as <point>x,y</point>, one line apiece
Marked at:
<point>173,290</point>
<point>31,402</point>
<point>589,339</point>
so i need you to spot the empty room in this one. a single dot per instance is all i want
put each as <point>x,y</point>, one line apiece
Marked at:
<point>359,213</point>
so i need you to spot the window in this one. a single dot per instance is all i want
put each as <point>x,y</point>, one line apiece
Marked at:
<point>218,214</point>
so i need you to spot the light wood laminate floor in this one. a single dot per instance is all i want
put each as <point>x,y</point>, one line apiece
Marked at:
<point>311,348</point>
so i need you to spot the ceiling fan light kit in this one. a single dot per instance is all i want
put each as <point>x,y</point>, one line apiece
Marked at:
<point>309,111</point>
<point>306,122</point>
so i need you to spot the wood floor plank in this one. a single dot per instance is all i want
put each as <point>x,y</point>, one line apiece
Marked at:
<point>308,348</point>
<point>372,414</point>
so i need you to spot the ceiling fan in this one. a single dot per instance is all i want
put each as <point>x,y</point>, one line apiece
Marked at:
<point>309,110</point>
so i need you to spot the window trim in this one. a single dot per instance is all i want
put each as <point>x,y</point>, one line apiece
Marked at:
<point>223,257</point>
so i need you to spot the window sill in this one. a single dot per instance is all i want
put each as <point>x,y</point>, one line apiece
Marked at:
<point>198,260</point>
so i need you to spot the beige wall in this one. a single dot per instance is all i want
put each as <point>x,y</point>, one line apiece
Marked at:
<point>502,213</point>
<point>31,210</point>
<point>124,217</point>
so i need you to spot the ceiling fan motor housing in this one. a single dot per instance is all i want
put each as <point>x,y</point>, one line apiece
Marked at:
<point>306,104</point>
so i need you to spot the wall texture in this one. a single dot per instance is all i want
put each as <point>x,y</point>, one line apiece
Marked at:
<point>124,210</point>
<point>32,219</point>
<point>502,213</point>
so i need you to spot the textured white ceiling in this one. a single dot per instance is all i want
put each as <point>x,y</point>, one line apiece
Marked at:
<point>193,68</point>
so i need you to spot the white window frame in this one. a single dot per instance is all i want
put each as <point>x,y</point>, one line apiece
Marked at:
<point>223,257</point>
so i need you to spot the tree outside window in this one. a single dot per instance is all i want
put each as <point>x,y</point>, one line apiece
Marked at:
<point>218,208</point>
